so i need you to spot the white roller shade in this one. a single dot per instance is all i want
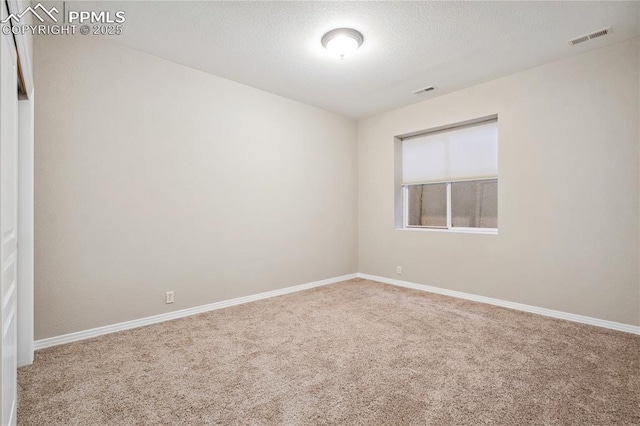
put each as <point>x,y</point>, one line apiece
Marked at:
<point>460,153</point>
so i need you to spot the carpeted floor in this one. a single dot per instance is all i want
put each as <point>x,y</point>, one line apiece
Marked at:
<point>353,353</point>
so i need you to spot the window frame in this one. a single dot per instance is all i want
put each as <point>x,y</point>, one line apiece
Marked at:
<point>449,226</point>
<point>400,217</point>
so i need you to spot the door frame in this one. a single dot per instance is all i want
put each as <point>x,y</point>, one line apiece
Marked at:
<point>26,170</point>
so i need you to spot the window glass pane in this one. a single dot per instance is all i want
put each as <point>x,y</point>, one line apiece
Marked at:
<point>427,205</point>
<point>474,204</point>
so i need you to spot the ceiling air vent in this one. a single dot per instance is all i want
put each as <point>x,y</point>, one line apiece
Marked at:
<point>595,34</point>
<point>425,90</point>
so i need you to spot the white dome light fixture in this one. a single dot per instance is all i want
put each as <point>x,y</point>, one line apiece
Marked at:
<point>342,41</point>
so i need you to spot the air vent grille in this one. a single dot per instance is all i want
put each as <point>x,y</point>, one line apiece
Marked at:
<point>425,90</point>
<point>579,40</point>
<point>595,34</point>
<point>599,33</point>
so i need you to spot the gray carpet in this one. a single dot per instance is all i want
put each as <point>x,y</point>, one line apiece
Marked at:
<point>353,353</point>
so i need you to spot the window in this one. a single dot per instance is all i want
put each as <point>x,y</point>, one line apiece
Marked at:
<point>450,178</point>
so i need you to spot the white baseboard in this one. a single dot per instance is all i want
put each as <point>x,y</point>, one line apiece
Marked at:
<point>505,304</point>
<point>99,331</point>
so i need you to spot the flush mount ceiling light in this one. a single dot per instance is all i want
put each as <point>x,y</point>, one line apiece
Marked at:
<point>342,41</point>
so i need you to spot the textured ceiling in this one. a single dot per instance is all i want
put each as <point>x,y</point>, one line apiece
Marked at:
<point>275,46</point>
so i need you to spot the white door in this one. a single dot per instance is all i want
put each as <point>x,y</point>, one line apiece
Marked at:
<point>8,222</point>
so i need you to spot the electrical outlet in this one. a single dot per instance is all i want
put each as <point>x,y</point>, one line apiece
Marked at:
<point>399,270</point>
<point>169,296</point>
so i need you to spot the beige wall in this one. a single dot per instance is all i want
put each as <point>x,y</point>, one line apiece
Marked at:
<point>568,195</point>
<point>151,176</point>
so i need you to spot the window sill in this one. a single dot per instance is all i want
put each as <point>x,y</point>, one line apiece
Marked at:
<point>486,231</point>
